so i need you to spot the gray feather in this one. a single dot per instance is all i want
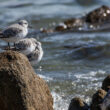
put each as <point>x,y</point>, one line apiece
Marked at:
<point>10,32</point>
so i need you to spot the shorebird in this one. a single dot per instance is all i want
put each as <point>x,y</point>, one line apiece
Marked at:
<point>35,56</point>
<point>15,32</point>
<point>26,46</point>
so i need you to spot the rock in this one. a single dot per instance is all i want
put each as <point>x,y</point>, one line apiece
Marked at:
<point>78,104</point>
<point>99,15</point>
<point>61,27</point>
<point>106,83</point>
<point>20,87</point>
<point>43,30</point>
<point>105,105</point>
<point>97,99</point>
<point>74,23</point>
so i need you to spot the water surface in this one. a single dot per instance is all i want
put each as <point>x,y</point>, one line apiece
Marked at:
<point>67,74</point>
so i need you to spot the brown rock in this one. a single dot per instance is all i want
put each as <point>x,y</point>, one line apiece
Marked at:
<point>97,99</point>
<point>78,104</point>
<point>99,15</point>
<point>43,30</point>
<point>74,23</point>
<point>20,87</point>
<point>106,83</point>
<point>61,27</point>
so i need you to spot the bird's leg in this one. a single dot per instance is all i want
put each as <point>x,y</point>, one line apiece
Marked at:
<point>8,46</point>
<point>14,46</point>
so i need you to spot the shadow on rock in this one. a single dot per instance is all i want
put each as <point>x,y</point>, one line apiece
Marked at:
<point>78,104</point>
<point>106,83</point>
<point>100,99</point>
<point>97,99</point>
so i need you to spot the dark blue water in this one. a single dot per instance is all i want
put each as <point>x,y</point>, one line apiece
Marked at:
<point>69,73</point>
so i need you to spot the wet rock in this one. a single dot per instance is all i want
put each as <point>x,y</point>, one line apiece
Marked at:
<point>43,30</point>
<point>105,105</point>
<point>70,25</point>
<point>99,15</point>
<point>74,23</point>
<point>20,87</point>
<point>94,21</point>
<point>61,27</point>
<point>78,104</point>
<point>97,99</point>
<point>106,83</point>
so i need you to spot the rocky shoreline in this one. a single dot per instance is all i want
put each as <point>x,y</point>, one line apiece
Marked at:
<point>22,89</point>
<point>97,98</point>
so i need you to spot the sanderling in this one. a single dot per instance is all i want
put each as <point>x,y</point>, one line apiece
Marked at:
<point>15,32</point>
<point>26,46</point>
<point>35,56</point>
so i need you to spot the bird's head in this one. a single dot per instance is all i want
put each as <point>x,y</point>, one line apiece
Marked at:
<point>23,23</point>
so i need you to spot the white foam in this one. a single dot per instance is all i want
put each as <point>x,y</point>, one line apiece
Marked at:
<point>59,102</point>
<point>91,75</point>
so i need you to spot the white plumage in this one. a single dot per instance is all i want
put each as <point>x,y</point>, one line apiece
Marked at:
<point>35,56</point>
<point>26,46</point>
<point>15,32</point>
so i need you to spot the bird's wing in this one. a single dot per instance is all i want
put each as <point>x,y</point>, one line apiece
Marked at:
<point>23,44</point>
<point>11,31</point>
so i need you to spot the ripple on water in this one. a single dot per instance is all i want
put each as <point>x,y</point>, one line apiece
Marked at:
<point>67,77</point>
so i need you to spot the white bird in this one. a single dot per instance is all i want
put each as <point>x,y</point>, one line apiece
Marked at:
<point>15,32</point>
<point>35,56</point>
<point>26,46</point>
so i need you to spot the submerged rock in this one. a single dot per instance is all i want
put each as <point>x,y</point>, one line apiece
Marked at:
<point>99,15</point>
<point>20,87</point>
<point>97,99</point>
<point>106,83</point>
<point>78,104</point>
